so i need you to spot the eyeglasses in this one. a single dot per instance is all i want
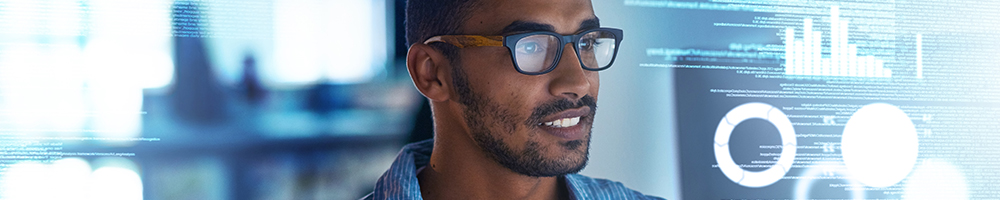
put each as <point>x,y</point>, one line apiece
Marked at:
<point>538,52</point>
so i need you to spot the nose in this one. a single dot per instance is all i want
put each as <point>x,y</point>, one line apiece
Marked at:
<point>569,78</point>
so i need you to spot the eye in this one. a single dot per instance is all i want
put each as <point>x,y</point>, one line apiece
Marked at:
<point>588,43</point>
<point>530,48</point>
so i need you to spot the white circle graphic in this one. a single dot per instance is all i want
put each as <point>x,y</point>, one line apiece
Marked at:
<point>936,179</point>
<point>826,170</point>
<point>750,111</point>
<point>879,145</point>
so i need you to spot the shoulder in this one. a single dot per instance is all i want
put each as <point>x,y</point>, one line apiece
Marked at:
<point>400,180</point>
<point>584,187</point>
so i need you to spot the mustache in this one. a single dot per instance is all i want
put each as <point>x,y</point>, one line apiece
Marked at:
<point>560,105</point>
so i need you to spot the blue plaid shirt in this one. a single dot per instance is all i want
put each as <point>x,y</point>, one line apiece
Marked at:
<point>400,181</point>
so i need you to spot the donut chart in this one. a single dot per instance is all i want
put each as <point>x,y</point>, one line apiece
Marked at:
<point>742,113</point>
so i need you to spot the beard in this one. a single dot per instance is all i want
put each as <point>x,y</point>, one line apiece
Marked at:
<point>489,120</point>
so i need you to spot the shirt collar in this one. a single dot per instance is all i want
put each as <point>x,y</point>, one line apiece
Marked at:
<point>400,181</point>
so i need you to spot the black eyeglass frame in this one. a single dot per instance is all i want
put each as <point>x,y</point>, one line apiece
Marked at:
<point>510,42</point>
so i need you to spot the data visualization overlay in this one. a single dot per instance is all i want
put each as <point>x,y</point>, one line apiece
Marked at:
<point>830,99</point>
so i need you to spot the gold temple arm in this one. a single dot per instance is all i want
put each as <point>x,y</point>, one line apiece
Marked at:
<point>462,41</point>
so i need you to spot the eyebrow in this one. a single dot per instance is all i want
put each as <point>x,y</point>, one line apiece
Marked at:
<point>526,26</point>
<point>588,24</point>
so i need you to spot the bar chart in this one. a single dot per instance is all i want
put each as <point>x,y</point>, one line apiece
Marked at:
<point>805,56</point>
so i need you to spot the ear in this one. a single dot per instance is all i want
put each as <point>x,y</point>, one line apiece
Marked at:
<point>428,71</point>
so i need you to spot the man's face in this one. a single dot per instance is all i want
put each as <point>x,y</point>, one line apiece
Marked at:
<point>536,125</point>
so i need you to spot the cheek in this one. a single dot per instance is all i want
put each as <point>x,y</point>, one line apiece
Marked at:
<point>491,72</point>
<point>519,98</point>
<point>493,77</point>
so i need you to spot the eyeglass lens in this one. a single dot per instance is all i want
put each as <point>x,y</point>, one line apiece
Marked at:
<point>537,53</point>
<point>596,49</point>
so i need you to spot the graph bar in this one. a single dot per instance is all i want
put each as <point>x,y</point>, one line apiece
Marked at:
<point>825,66</point>
<point>879,68</point>
<point>870,66</point>
<point>806,57</point>
<point>817,53</point>
<point>799,64</point>
<point>845,48</point>
<point>835,38</point>
<point>789,52</point>
<point>808,50</point>
<point>852,60</point>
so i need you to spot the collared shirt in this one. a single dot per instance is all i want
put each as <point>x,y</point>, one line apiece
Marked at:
<point>400,181</point>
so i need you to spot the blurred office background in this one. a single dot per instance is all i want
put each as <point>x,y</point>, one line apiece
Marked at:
<point>254,99</point>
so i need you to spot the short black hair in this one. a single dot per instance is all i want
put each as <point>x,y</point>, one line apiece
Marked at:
<point>429,18</point>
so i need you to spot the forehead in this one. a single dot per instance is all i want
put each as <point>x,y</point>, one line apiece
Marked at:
<point>492,16</point>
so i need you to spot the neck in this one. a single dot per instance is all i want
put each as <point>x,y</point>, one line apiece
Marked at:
<point>458,169</point>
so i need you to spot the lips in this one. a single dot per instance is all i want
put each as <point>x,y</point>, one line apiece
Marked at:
<point>569,124</point>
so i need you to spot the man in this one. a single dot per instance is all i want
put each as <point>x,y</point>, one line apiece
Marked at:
<point>513,89</point>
